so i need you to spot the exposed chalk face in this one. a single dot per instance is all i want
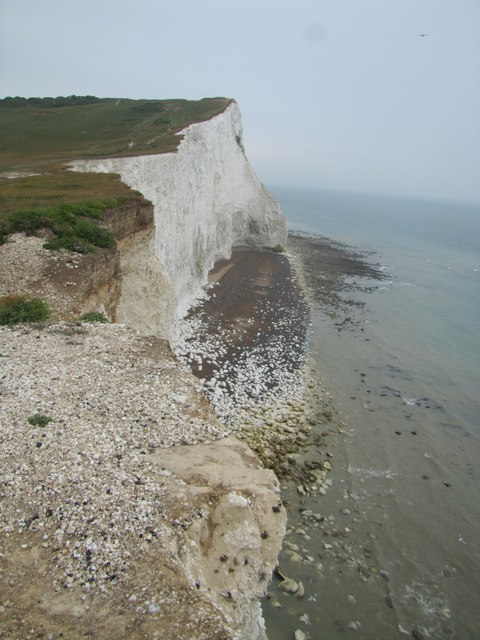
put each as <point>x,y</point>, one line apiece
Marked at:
<point>207,199</point>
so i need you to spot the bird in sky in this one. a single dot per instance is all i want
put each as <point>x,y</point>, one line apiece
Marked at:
<point>422,35</point>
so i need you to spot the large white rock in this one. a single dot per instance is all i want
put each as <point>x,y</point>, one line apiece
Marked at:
<point>207,199</point>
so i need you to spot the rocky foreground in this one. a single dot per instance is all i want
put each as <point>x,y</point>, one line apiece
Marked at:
<point>126,510</point>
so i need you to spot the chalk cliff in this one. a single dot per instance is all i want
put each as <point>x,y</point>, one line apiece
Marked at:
<point>206,199</point>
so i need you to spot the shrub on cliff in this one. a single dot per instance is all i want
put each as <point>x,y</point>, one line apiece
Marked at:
<point>15,309</point>
<point>39,420</point>
<point>69,222</point>
<point>60,101</point>
<point>93,316</point>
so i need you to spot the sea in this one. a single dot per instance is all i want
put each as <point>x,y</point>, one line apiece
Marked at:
<point>394,548</point>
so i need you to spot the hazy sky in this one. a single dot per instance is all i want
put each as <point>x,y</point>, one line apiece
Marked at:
<point>340,94</point>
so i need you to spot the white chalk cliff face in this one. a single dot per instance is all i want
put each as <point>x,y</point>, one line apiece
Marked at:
<point>206,199</point>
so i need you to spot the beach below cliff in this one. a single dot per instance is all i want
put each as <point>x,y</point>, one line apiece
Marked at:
<point>249,343</point>
<point>247,340</point>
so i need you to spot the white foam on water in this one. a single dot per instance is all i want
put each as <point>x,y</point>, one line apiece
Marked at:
<point>372,473</point>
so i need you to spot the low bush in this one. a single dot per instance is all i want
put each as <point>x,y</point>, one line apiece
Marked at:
<point>39,420</point>
<point>70,224</point>
<point>15,309</point>
<point>93,316</point>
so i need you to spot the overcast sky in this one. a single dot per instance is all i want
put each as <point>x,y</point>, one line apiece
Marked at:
<point>340,94</point>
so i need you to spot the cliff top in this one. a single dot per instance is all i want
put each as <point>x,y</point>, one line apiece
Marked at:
<point>37,132</point>
<point>40,134</point>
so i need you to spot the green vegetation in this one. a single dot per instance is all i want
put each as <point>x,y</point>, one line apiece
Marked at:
<point>62,187</point>
<point>65,202</point>
<point>40,134</point>
<point>68,222</point>
<point>50,102</point>
<point>39,131</point>
<point>39,420</point>
<point>14,309</point>
<point>239,140</point>
<point>93,316</point>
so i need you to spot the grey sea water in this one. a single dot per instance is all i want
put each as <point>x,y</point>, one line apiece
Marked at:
<point>395,551</point>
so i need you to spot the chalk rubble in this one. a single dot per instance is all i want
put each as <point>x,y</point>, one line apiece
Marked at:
<point>130,503</point>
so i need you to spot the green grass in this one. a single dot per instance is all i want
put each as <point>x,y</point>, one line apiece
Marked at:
<point>39,420</point>
<point>67,203</point>
<point>15,309</point>
<point>62,187</point>
<point>36,132</point>
<point>93,316</point>
<point>69,222</point>
<point>41,134</point>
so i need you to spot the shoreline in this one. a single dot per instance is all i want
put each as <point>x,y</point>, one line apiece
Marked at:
<point>391,554</point>
<point>246,342</point>
<point>293,428</point>
<point>250,299</point>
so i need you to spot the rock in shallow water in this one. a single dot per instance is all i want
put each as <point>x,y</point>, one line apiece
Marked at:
<point>288,586</point>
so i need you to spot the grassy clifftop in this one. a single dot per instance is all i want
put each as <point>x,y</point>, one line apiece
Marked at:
<point>38,135</point>
<point>39,131</point>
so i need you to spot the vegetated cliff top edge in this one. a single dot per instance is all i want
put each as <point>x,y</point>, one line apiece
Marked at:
<point>41,135</point>
<point>38,132</point>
